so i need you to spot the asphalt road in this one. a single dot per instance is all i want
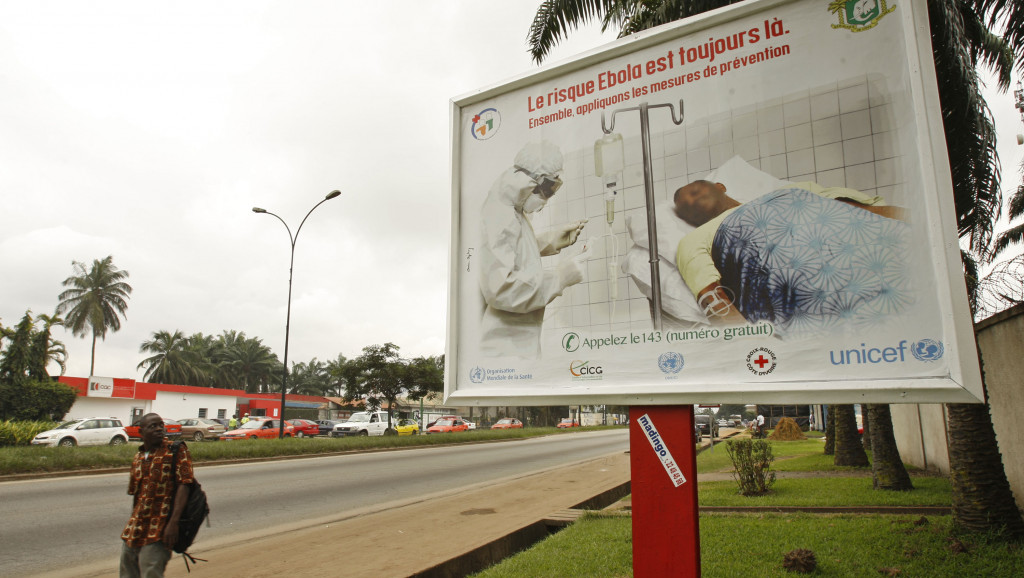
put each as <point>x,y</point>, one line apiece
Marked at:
<point>57,524</point>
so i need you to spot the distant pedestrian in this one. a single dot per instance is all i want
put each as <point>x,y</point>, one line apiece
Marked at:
<point>245,419</point>
<point>233,423</point>
<point>159,496</point>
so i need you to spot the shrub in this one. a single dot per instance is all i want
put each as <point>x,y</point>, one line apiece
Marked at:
<point>751,461</point>
<point>20,433</point>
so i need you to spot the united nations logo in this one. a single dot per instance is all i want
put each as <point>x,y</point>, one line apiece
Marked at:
<point>571,342</point>
<point>476,375</point>
<point>670,362</point>
<point>858,15</point>
<point>927,350</point>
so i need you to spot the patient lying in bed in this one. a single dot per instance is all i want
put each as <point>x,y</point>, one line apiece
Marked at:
<point>802,257</point>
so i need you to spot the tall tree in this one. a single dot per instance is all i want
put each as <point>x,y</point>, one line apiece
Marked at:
<point>95,301</point>
<point>171,361</point>
<point>887,469</point>
<point>849,450</point>
<point>962,40</point>
<point>380,374</point>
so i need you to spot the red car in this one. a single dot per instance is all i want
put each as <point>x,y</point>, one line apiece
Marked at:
<point>507,423</point>
<point>568,422</point>
<point>447,426</point>
<point>258,429</point>
<point>172,429</point>
<point>304,427</point>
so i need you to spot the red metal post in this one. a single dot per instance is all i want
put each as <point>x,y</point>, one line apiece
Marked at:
<point>663,464</point>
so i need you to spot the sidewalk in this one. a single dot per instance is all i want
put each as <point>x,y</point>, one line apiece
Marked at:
<point>399,539</point>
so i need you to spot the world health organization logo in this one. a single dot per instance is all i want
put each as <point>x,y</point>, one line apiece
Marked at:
<point>670,362</point>
<point>928,350</point>
<point>476,375</point>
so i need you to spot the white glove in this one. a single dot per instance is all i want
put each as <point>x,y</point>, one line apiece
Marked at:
<point>559,238</point>
<point>570,272</point>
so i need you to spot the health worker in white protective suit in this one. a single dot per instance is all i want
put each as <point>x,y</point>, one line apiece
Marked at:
<point>514,283</point>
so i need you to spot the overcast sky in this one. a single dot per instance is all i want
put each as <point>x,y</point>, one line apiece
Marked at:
<point>148,132</point>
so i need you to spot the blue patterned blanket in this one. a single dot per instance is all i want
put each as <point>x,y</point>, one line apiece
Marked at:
<point>807,263</point>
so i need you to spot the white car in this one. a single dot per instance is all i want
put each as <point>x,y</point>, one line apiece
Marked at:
<point>90,431</point>
<point>472,425</point>
<point>363,423</point>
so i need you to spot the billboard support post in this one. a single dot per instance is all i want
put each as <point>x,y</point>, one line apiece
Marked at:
<point>663,468</point>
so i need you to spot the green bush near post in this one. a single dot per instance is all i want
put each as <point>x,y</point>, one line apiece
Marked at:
<point>20,433</point>
<point>752,461</point>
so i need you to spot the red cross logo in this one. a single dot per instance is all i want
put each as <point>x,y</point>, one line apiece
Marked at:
<point>761,361</point>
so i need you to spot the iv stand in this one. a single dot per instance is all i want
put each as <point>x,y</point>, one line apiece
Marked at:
<point>652,228</point>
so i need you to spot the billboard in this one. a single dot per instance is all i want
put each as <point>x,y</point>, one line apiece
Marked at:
<point>751,204</point>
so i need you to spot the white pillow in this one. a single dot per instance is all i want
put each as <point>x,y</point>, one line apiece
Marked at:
<point>676,298</point>
<point>671,229</point>
<point>742,181</point>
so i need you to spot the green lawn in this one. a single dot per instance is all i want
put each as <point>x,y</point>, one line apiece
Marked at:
<point>754,544</point>
<point>738,545</point>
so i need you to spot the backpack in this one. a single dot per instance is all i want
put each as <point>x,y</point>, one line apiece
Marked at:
<point>196,510</point>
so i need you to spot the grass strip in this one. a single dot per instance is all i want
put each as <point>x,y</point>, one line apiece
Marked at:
<point>829,492</point>
<point>39,459</point>
<point>745,544</point>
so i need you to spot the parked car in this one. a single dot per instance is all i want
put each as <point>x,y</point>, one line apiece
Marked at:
<point>568,422</point>
<point>470,424</point>
<point>408,427</point>
<point>707,425</point>
<point>507,423</point>
<point>304,427</point>
<point>92,431</point>
<point>200,428</point>
<point>430,424</point>
<point>172,429</point>
<point>222,421</point>
<point>447,426</point>
<point>326,425</point>
<point>259,429</point>
<point>363,423</point>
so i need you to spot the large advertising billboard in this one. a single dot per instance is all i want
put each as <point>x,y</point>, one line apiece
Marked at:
<point>750,205</point>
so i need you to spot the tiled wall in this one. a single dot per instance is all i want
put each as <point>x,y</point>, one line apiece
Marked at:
<point>839,134</point>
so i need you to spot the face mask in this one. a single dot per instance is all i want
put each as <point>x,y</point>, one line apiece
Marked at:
<point>534,203</point>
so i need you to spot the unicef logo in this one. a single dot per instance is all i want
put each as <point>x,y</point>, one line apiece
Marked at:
<point>928,350</point>
<point>670,362</point>
<point>476,375</point>
<point>571,342</point>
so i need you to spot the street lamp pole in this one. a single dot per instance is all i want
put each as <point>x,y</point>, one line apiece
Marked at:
<point>288,317</point>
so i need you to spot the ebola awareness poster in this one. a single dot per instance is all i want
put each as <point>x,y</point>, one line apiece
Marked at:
<point>752,205</point>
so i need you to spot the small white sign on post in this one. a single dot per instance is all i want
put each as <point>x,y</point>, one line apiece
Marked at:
<point>669,463</point>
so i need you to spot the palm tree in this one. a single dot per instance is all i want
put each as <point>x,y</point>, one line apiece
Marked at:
<point>46,349</point>
<point>887,469</point>
<point>96,299</point>
<point>849,450</point>
<point>171,361</point>
<point>252,365</point>
<point>961,41</point>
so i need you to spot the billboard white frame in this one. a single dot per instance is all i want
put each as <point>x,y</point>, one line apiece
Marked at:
<point>960,380</point>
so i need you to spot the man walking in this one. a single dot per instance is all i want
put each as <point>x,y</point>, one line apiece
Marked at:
<point>159,498</point>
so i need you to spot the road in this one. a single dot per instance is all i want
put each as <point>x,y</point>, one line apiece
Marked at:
<point>57,524</point>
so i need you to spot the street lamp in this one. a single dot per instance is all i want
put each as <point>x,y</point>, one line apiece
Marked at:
<point>288,318</point>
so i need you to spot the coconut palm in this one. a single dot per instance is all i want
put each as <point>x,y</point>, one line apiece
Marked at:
<point>171,360</point>
<point>95,301</point>
<point>252,365</point>
<point>961,41</point>
<point>849,450</point>
<point>46,349</point>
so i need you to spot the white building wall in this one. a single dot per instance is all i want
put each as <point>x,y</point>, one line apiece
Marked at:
<point>106,407</point>
<point>175,405</point>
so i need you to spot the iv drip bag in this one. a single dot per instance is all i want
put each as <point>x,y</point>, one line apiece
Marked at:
<point>608,155</point>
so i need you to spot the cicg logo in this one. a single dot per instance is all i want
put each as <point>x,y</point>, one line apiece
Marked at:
<point>584,370</point>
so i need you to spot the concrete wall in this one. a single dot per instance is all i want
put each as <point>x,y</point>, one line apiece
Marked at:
<point>921,429</point>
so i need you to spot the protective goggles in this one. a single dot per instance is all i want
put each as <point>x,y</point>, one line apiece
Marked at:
<point>547,185</point>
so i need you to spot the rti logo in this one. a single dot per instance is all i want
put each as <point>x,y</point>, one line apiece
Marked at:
<point>486,123</point>
<point>584,370</point>
<point>761,361</point>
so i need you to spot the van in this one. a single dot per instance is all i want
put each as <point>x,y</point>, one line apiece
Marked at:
<point>707,425</point>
